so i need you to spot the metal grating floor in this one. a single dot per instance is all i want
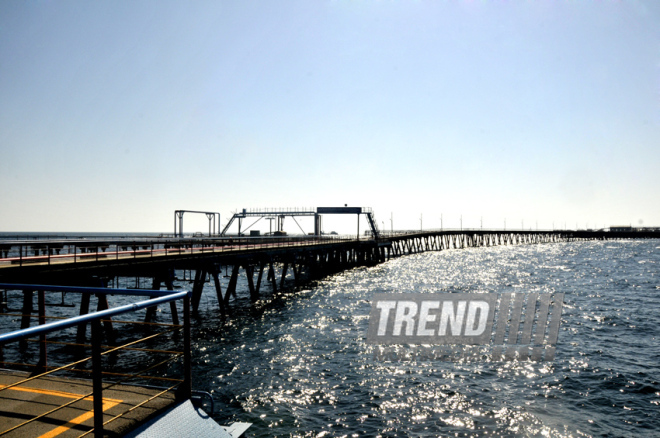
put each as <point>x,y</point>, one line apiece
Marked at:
<point>183,421</point>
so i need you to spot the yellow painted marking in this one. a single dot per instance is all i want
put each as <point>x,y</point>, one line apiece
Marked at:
<point>56,393</point>
<point>108,403</point>
<point>79,419</point>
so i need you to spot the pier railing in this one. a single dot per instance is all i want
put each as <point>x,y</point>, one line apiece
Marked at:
<point>151,334</point>
<point>49,252</point>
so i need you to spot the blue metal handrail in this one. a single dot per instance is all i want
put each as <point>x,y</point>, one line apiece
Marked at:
<point>31,332</point>
<point>89,290</point>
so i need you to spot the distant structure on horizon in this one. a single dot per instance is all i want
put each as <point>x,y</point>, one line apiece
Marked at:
<point>629,228</point>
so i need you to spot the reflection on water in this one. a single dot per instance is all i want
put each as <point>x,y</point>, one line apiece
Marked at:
<point>299,365</point>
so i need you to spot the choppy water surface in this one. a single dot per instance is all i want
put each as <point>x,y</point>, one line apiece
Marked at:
<point>301,366</point>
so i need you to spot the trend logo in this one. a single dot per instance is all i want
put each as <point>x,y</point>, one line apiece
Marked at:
<point>514,325</point>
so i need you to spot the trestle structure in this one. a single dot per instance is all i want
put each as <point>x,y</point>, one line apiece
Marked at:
<point>416,242</point>
<point>278,264</point>
<point>259,263</point>
<point>413,243</point>
<point>280,271</point>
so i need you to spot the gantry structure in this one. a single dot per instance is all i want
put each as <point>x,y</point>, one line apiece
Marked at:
<point>317,213</point>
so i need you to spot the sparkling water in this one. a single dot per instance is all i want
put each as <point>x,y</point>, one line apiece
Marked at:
<point>298,364</point>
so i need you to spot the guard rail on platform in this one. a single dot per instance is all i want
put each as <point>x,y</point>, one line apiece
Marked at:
<point>121,371</point>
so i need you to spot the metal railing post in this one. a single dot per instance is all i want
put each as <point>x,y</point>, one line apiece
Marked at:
<point>97,378</point>
<point>185,392</point>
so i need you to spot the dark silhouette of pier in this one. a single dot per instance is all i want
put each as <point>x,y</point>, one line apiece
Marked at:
<point>276,262</point>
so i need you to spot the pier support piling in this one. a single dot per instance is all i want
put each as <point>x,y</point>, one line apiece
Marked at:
<point>28,298</point>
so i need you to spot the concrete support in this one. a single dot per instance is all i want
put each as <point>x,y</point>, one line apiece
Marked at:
<point>231,287</point>
<point>294,268</point>
<point>285,267</point>
<point>28,299</point>
<point>271,276</point>
<point>82,328</point>
<point>169,283</point>
<point>168,279</point>
<point>215,273</point>
<point>198,287</point>
<point>102,304</point>
<point>262,265</point>
<point>249,273</point>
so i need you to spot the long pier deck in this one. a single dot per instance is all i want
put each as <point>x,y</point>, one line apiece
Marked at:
<point>88,261</point>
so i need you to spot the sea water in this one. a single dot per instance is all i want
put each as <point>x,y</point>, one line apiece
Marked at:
<point>298,364</point>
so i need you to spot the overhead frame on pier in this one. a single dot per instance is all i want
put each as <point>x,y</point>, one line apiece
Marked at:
<point>178,214</point>
<point>280,214</point>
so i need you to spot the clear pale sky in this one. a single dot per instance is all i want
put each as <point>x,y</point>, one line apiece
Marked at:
<point>113,114</point>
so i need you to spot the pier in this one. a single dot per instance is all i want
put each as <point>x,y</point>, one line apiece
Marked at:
<point>92,268</point>
<point>276,262</point>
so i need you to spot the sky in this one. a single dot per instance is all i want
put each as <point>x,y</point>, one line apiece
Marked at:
<point>534,114</point>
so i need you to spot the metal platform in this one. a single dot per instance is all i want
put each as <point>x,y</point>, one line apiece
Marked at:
<point>185,420</point>
<point>37,399</point>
